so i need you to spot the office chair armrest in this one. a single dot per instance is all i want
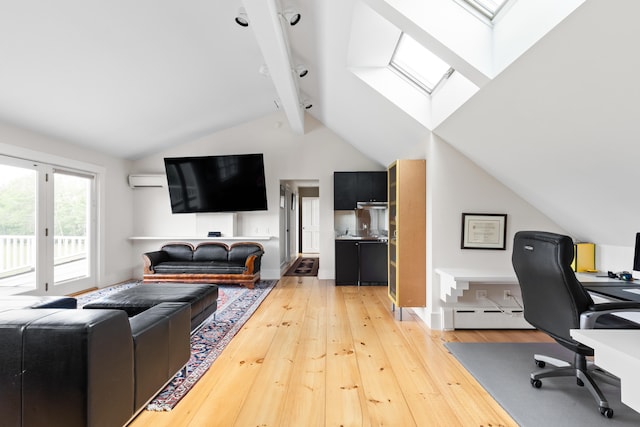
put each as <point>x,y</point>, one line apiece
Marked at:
<point>617,305</point>
<point>589,318</point>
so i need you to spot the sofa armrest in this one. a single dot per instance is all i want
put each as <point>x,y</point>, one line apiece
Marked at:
<point>152,259</point>
<point>252,263</point>
<point>161,341</point>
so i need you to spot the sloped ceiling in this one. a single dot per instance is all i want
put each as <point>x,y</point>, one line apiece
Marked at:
<point>133,78</point>
<point>560,125</point>
<point>128,78</point>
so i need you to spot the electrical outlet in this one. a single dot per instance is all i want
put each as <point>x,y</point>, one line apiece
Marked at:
<point>481,294</point>
<point>507,294</point>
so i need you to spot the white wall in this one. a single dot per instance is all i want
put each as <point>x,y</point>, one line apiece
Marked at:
<point>455,185</point>
<point>557,133</point>
<point>288,156</point>
<point>115,198</point>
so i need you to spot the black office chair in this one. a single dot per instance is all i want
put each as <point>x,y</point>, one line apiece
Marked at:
<point>555,302</point>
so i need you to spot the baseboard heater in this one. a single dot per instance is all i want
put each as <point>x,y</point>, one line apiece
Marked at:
<point>489,318</point>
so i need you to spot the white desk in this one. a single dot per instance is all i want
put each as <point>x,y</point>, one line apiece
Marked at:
<point>618,352</point>
<point>453,283</point>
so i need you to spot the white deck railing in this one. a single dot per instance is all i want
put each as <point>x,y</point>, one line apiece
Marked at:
<point>17,253</point>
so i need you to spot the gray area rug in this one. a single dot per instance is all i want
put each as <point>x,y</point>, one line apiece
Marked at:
<point>503,370</point>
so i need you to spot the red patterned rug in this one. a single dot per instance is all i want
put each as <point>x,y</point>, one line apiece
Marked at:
<point>236,304</point>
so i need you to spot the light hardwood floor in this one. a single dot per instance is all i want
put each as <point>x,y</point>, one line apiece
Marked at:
<point>315,354</point>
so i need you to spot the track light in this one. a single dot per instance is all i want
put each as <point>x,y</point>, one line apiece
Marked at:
<point>301,71</point>
<point>242,19</point>
<point>306,104</point>
<point>292,17</point>
<point>264,70</point>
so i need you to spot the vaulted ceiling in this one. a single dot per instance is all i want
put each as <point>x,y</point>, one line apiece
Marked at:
<point>556,124</point>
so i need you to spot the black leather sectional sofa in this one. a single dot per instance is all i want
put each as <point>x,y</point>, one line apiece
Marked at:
<point>61,366</point>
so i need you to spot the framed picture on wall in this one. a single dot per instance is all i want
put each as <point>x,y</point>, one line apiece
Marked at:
<point>484,231</point>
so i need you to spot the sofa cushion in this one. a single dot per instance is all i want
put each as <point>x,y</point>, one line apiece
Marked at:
<point>200,268</point>
<point>239,252</point>
<point>210,251</point>
<point>73,362</point>
<point>12,326</point>
<point>179,251</point>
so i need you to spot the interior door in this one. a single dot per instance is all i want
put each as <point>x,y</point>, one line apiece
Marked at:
<point>310,224</point>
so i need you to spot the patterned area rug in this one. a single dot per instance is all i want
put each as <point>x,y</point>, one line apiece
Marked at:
<point>236,304</point>
<point>304,266</point>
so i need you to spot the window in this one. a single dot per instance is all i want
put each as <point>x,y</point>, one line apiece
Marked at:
<point>488,8</point>
<point>419,65</point>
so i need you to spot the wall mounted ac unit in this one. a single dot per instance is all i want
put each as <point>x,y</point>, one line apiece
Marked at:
<point>147,180</point>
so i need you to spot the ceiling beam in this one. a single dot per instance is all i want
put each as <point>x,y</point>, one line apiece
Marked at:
<point>266,22</point>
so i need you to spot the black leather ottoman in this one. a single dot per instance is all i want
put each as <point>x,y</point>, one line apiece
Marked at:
<point>203,299</point>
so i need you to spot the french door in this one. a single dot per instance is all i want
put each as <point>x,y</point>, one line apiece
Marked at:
<point>47,228</point>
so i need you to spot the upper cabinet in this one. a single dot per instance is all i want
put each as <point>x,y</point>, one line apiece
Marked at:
<point>349,188</point>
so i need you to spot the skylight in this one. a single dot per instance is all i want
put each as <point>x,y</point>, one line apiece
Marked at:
<point>418,64</point>
<point>488,8</point>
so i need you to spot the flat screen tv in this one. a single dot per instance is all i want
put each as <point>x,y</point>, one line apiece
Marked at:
<point>636,254</point>
<point>230,183</point>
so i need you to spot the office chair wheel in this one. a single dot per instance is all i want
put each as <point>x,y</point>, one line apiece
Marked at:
<point>606,412</point>
<point>540,363</point>
<point>536,383</point>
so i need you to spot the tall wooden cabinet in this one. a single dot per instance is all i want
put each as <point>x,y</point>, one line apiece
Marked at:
<point>407,233</point>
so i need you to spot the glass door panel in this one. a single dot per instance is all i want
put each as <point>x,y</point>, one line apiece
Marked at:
<point>71,227</point>
<point>18,246</point>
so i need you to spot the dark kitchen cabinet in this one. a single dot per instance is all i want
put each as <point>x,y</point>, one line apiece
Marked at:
<point>345,189</point>
<point>378,190</point>
<point>373,262</point>
<point>352,187</point>
<point>346,262</point>
<point>361,262</point>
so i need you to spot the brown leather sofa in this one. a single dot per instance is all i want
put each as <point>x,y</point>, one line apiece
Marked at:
<point>208,262</point>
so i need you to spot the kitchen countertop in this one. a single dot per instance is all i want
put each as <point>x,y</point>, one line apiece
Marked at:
<point>367,238</point>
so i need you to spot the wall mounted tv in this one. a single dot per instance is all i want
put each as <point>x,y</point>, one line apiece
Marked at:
<point>230,183</point>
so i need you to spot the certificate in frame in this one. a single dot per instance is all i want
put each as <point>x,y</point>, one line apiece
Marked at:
<point>484,231</point>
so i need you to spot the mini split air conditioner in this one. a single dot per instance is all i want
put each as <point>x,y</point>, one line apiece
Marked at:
<point>147,180</point>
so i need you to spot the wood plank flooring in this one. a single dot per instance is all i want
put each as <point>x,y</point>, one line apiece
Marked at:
<point>315,354</point>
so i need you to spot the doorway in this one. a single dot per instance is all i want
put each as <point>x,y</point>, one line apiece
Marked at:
<point>299,220</point>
